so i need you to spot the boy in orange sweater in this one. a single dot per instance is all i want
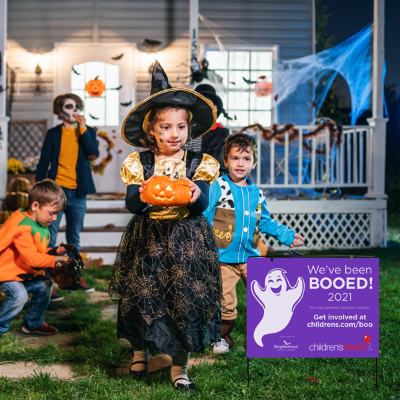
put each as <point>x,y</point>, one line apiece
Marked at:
<point>23,253</point>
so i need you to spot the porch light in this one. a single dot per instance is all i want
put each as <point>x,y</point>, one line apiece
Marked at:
<point>151,55</point>
<point>38,57</point>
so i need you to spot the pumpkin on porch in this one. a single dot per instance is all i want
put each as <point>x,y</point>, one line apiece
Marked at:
<point>21,185</point>
<point>164,192</point>
<point>4,215</point>
<point>95,87</point>
<point>15,200</point>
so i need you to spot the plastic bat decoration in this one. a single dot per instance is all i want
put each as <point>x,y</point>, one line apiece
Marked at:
<point>93,117</point>
<point>118,57</point>
<point>3,89</point>
<point>75,71</point>
<point>117,88</point>
<point>248,81</point>
<point>126,104</point>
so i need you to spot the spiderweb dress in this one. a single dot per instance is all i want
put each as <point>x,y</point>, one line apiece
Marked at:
<point>166,274</point>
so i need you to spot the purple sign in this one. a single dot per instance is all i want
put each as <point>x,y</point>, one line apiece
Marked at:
<point>313,307</point>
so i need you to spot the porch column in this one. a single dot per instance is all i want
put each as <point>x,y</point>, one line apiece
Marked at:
<point>194,34</point>
<point>377,121</point>
<point>3,84</point>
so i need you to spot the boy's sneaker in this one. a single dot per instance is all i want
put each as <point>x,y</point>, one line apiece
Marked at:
<point>221,347</point>
<point>56,296</point>
<point>45,330</point>
<point>82,286</point>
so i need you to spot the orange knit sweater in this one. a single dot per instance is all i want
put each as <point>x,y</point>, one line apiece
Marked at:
<point>23,246</point>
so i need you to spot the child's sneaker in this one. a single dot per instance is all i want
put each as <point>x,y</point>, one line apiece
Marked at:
<point>56,296</point>
<point>82,286</point>
<point>45,330</point>
<point>221,347</point>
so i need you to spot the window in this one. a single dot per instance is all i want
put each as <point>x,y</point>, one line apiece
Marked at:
<point>100,109</point>
<point>240,100</point>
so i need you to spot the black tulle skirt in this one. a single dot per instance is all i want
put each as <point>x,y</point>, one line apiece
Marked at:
<point>167,278</point>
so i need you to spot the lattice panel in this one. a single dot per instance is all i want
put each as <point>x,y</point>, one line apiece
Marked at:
<point>25,138</point>
<point>323,231</point>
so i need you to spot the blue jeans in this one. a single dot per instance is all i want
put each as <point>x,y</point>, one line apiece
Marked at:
<point>17,295</point>
<point>74,215</point>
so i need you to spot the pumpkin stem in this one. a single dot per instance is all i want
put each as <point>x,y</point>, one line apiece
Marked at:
<point>172,176</point>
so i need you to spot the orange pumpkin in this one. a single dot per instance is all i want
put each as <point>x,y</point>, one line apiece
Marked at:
<point>164,192</point>
<point>263,89</point>
<point>95,87</point>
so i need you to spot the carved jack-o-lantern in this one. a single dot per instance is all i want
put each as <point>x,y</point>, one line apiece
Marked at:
<point>164,192</point>
<point>95,87</point>
<point>263,89</point>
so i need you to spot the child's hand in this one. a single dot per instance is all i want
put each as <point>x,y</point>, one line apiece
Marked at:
<point>144,183</point>
<point>61,258</point>
<point>81,119</point>
<point>296,242</point>
<point>196,192</point>
<point>61,250</point>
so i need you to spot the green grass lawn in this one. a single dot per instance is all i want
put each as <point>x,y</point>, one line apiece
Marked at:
<point>95,355</point>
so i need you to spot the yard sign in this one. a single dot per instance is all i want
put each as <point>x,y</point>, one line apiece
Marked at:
<point>313,307</point>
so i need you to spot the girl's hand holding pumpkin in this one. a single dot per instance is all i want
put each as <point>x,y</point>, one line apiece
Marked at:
<point>144,183</point>
<point>196,192</point>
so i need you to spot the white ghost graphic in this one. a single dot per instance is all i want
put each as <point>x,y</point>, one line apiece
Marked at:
<point>278,300</point>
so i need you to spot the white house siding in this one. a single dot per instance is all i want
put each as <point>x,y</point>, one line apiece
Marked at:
<point>34,23</point>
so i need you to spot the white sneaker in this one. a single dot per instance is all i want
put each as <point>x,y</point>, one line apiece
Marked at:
<point>221,347</point>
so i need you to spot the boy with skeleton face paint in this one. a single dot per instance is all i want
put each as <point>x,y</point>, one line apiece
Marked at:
<point>65,157</point>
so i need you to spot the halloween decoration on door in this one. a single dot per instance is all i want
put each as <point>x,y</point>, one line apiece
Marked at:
<point>95,87</point>
<point>166,191</point>
<point>263,88</point>
<point>67,274</point>
<point>98,85</point>
<point>108,145</point>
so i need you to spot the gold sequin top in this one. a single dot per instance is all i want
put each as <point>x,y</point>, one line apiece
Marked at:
<point>132,173</point>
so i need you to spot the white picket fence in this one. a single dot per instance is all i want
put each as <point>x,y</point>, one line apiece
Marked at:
<point>345,164</point>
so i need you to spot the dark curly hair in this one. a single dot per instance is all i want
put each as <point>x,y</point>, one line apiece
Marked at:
<point>243,142</point>
<point>59,101</point>
<point>149,140</point>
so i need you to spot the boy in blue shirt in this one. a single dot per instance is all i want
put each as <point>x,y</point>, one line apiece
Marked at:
<point>238,213</point>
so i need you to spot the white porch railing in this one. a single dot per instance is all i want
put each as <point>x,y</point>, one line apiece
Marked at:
<point>317,164</point>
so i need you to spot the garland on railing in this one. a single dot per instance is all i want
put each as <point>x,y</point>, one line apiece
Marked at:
<point>273,133</point>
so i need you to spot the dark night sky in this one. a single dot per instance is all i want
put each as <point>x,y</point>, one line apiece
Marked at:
<point>347,17</point>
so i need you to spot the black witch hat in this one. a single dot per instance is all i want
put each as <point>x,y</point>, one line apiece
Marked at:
<point>162,94</point>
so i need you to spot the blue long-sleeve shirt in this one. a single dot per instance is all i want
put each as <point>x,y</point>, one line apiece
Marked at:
<point>238,214</point>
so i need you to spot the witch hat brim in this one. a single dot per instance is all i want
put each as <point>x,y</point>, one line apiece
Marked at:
<point>204,115</point>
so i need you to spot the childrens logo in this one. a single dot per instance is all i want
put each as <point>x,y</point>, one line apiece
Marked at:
<point>278,299</point>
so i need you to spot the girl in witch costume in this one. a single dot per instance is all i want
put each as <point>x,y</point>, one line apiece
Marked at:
<point>167,275</point>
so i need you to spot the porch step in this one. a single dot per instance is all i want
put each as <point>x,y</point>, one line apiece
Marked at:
<point>95,249</point>
<point>107,211</point>
<point>106,253</point>
<point>95,229</point>
<point>90,238</point>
